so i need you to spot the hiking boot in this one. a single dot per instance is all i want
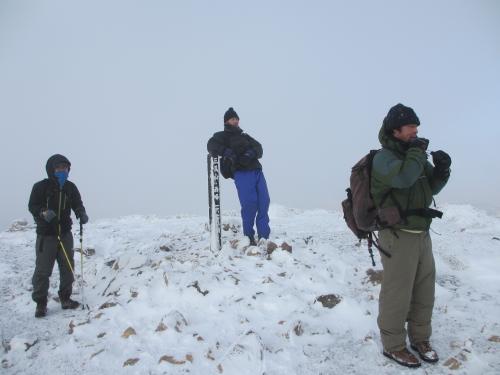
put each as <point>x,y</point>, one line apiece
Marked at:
<point>41,310</point>
<point>252,241</point>
<point>69,304</point>
<point>425,351</point>
<point>404,357</point>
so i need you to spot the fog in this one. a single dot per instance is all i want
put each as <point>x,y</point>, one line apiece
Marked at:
<point>131,91</point>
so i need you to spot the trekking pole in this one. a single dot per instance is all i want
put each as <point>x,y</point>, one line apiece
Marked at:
<point>81,266</point>
<point>66,255</point>
<point>70,266</point>
<point>370,251</point>
<point>377,245</point>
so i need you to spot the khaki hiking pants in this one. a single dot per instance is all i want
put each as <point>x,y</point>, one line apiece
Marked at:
<point>407,292</point>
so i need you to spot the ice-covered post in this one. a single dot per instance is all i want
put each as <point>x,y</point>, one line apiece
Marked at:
<point>214,214</point>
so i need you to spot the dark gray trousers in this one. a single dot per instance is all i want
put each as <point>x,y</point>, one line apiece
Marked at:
<point>48,250</point>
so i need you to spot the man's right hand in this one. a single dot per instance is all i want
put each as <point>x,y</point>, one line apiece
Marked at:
<point>247,157</point>
<point>420,143</point>
<point>48,215</point>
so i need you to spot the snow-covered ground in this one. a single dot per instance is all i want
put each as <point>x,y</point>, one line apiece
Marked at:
<point>161,303</point>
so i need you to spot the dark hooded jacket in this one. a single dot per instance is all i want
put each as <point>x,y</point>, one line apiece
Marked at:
<point>47,195</point>
<point>403,177</point>
<point>233,138</point>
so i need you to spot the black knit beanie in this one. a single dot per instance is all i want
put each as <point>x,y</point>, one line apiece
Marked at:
<point>230,113</point>
<point>398,116</point>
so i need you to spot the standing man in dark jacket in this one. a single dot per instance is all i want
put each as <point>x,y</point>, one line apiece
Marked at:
<point>403,178</point>
<point>51,202</point>
<point>240,154</point>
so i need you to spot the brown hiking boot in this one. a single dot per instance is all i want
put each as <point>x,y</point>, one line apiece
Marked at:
<point>69,304</point>
<point>404,357</point>
<point>41,309</point>
<point>425,351</point>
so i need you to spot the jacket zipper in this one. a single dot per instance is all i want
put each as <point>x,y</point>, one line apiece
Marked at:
<point>59,212</point>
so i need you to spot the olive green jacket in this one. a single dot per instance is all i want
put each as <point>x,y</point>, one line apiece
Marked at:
<point>403,177</point>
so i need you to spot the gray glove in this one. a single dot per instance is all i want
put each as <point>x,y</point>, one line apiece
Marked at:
<point>82,216</point>
<point>84,219</point>
<point>48,215</point>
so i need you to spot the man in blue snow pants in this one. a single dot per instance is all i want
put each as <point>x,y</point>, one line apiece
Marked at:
<point>240,154</point>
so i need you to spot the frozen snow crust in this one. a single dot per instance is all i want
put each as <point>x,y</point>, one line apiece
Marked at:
<point>162,303</point>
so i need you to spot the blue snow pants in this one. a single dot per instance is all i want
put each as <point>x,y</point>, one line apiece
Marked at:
<point>254,201</point>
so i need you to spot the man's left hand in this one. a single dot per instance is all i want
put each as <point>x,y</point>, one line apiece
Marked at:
<point>441,160</point>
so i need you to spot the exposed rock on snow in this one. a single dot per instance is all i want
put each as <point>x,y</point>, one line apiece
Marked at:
<point>286,247</point>
<point>130,331</point>
<point>161,327</point>
<point>172,360</point>
<point>271,246</point>
<point>130,362</point>
<point>375,276</point>
<point>329,300</point>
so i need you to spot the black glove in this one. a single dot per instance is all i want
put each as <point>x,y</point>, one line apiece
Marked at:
<point>247,157</point>
<point>420,143</point>
<point>229,154</point>
<point>48,215</point>
<point>82,216</point>
<point>441,160</point>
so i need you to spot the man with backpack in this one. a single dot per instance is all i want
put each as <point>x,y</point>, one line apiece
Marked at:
<point>50,203</point>
<point>402,180</point>
<point>240,154</point>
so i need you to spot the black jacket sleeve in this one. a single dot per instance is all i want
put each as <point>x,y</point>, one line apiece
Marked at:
<point>437,180</point>
<point>36,201</point>
<point>257,147</point>
<point>76,201</point>
<point>216,145</point>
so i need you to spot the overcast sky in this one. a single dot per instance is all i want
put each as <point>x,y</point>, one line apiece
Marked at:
<point>130,92</point>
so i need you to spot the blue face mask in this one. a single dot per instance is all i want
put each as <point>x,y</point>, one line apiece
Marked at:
<point>61,176</point>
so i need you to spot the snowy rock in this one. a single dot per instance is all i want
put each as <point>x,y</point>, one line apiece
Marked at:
<point>130,362</point>
<point>375,277</point>
<point>161,327</point>
<point>176,320</point>
<point>107,305</point>
<point>19,226</point>
<point>286,247</point>
<point>253,251</point>
<point>130,331</point>
<point>329,300</point>
<point>172,360</point>
<point>298,329</point>
<point>165,248</point>
<point>452,363</point>
<point>22,344</point>
<point>197,287</point>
